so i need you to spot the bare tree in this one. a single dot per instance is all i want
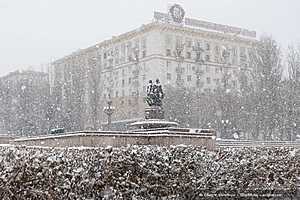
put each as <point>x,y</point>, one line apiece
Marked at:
<point>292,101</point>
<point>266,80</point>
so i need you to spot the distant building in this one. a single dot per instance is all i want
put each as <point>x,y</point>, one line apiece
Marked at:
<point>24,102</point>
<point>176,49</point>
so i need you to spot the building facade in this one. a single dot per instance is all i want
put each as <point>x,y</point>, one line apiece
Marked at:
<point>177,50</point>
<point>24,99</point>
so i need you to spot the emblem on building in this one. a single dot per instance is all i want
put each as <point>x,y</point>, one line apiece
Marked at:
<point>177,13</point>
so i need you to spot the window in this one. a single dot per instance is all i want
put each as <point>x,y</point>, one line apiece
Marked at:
<point>137,44</point>
<point>207,58</point>
<point>207,46</point>
<point>129,80</point>
<point>189,78</point>
<point>144,42</point>
<point>207,90</point>
<point>168,40</point>
<point>179,42</point>
<point>99,59</point>
<point>123,50</point>
<point>169,76</point>
<point>217,70</point>
<point>217,54</point>
<point>144,53</point>
<point>129,50</point>
<point>168,64</point>
<point>179,77</point>
<point>117,94</point>
<point>168,52</point>
<point>243,57</point>
<point>188,43</point>
<point>188,67</point>
<point>234,84</point>
<point>188,55</point>
<point>198,43</point>
<point>207,68</point>
<point>234,55</point>
<point>199,83</point>
<point>208,80</point>
<point>123,83</point>
<point>117,54</point>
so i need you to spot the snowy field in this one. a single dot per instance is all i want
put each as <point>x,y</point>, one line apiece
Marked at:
<point>147,172</point>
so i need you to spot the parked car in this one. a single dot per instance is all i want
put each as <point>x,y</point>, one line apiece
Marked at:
<point>57,131</point>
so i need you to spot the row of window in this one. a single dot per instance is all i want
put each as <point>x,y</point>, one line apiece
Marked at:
<point>189,78</point>
<point>208,79</point>
<point>190,67</point>
<point>218,57</point>
<point>189,55</point>
<point>187,42</point>
<point>130,80</point>
<point>221,53</point>
<point>125,52</point>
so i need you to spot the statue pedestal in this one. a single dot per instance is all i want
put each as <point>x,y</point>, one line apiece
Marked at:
<point>154,112</point>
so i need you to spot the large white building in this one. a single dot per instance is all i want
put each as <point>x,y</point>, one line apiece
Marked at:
<point>176,49</point>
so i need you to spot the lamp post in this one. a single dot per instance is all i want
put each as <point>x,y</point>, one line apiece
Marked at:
<point>136,71</point>
<point>135,81</point>
<point>224,107</point>
<point>199,61</point>
<point>225,124</point>
<point>109,110</point>
<point>225,57</point>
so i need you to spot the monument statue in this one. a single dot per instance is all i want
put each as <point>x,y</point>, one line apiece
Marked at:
<point>154,100</point>
<point>154,93</point>
<point>154,112</point>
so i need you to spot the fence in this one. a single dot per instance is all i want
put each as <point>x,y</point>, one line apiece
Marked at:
<point>249,143</point>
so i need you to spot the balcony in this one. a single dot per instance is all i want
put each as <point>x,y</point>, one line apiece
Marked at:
<point>135,83</point>
<point>179,70</point>
<point>135,73</point>
<point>199,83</point>
<point>179,80</point>
<point>199,72</point>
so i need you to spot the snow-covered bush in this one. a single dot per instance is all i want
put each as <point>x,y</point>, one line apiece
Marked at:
<point>146,172</point>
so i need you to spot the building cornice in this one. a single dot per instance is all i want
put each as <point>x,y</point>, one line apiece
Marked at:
<point>205,33</point>
<point>24,73</point>
<point>164,27</point>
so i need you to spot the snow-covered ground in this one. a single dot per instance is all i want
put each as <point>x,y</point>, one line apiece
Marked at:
<point>144,172</point>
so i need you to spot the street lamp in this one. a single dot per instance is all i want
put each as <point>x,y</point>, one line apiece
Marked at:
<point>225,124</point>
<point>135,82</point>
<point>199,61</point>
<point>225,57</point>
<point>109,110</point>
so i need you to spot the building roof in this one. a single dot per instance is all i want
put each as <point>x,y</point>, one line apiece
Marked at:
<point>23,73</point>
<point>192,26</point>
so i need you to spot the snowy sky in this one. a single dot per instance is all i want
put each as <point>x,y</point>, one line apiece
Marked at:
<point>35,32</point>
